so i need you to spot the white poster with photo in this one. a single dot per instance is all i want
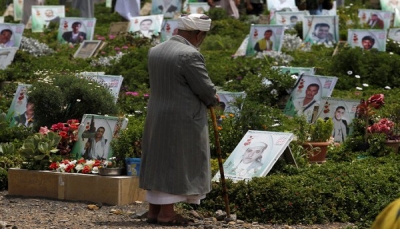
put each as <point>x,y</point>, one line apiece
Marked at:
<point>396,20</point>
<point>169,29</point>
<point>289,19</point>
<point>95,134</point>
<point>19,105</point>
<point>111,82</point>
<point>76,30</point>
<point>281,4</point>
<point>264,38</point>
<point>42,16</point>
<point>168,8</point>
<point>242,48</point>
<point>342,112</point>
<point>11,35</point>
<point>394,34</point>
<point>390,5</point>
<point>306,96</point>
<point>367,38</point>
<point>197,7</point>
<point>146,25</point>
<point>255,155</point>
<point>7,56</point>
<point>297,70</point>
<point>18,9</point>
<point>227,101</point>
<point>321,30</point>
<point>374,19</point>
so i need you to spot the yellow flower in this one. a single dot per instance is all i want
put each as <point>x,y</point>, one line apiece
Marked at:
<point>231,115</point>
<point>223,116</point>
<point>219,127</point>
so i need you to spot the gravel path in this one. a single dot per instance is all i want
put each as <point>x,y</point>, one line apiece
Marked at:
<point>20,212</point>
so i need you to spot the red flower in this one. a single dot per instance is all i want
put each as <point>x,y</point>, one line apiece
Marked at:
<point>72,121</point>
<point>53,166</point>
<point>376,100</point>
<point>96,163</point>
<point>69,168</point>
<point>63,134</point>
<point>60,125</point>
<point>86,169</point>
<point>81,161</point>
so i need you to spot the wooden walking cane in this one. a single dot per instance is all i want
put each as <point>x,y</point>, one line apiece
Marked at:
<point>221,168</point>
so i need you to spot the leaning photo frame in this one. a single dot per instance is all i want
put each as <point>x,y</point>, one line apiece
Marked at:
<point>264,38</point>
<point>322,30</point>
<point>367,39</point>
<point>7,56</point>
<point>88,136</point>
<point>255,155</point>
<point>87,49</point>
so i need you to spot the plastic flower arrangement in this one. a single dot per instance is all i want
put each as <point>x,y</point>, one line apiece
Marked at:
<point>69,135</point>
<point>76,166</point>
<point>384,126</point>
<point>366,109</point>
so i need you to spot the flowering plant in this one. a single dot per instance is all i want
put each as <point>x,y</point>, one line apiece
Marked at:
<point>68,133</point>
<point>76,166</point>
<point>384,126</point>
<point>367,108</point>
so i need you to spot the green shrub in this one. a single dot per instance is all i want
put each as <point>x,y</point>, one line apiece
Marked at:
<point>3,179</point>
<point>66,96</point>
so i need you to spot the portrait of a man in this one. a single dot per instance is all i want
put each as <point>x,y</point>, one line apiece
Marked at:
<point>321,34</point>
<point>341,129</point>
<point>145,26</point>
<point>27,118</point>
<point>367,42</point>
<point>375,22</point>
<point>265,44</point>
<point>74,36</point>
<point>5,38</point>
<point>251,160</point>
<point>305,105</point>
<point>293,19</point>
<point>96,147</point>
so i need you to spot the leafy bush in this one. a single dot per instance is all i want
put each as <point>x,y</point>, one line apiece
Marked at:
<point>66,96</point>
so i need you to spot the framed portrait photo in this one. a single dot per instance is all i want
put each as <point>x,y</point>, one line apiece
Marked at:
<point>146,25</point>
<point>167,8</point>
<point>374,19</point>
<point>321,30</point>
<point>169,29</point>
<point>111,82</point>
<point>118,27</point>
<point>306,96</point>
<point>18,9</point>
<point>255,155</point>
<point>87,49</point>
<point>197,7</point>
<point>42,16</point>
<point>7,56</point>
<point>289,19</point>
<point>367,39</point>
<point>228,101</point>
<point>11,34</point>
<point>264,38</point>
<point>95,134</point>
<point>19,106</point>
<point>342,112</point>
<point>75,30</point>
<point>394,34</point>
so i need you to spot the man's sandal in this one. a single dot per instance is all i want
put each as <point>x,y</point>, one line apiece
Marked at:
<point>178,220</point>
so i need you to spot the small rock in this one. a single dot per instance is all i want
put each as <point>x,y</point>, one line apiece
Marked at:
<point>92,207</point>
<point>232,223</point>
<point>220,215</point>
<point>239,221</point>
<point>138,202</point>
<point>287,227</point>
<point>254,223</point>
<point>195,214</point>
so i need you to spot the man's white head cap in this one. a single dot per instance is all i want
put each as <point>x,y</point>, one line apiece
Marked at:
<point>194,22</point>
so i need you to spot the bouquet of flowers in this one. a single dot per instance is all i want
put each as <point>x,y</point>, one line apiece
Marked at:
<point>384,126</point>
<point>68,132</point>
<point>76,166</point>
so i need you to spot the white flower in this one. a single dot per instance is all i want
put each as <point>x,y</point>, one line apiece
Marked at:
<point>357,76</point>
<point>349,72</point>
<point>388,88</point>
<point>78,100</point>
<point>78,167</point>
<point>72,162</point>
<point>391,53</point>
<point>95,170</point>
<point>294,77</point>
<point>359,88</point>
<point>274,92</point>
<point>89,162</point>
<point>365,85</point>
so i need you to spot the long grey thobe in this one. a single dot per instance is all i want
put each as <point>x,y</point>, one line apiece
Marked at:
<point>176,152</point>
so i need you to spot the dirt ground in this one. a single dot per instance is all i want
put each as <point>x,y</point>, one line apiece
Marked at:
<point>21,212</point>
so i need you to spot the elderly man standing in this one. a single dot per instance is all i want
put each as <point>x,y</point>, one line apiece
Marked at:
<point>176,159</point>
